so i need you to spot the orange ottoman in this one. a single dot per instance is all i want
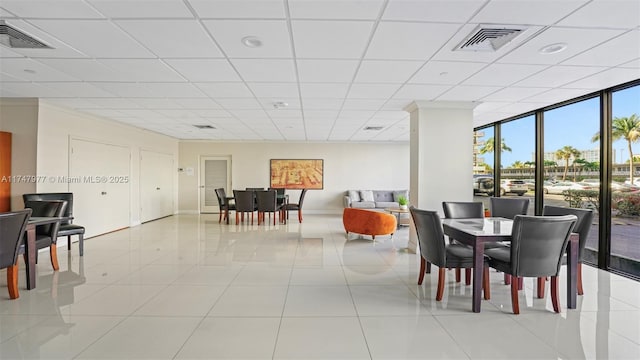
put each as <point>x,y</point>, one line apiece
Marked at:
<point>367,222</point>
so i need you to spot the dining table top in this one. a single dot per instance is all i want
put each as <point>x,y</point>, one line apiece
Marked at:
<point>490,226</point>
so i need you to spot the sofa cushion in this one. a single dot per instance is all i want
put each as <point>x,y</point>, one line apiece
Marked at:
<point>366,195</point>
<point>387,204</point>
<point>364,205</point>
<point>397,194</point>
<point>380,195</point>
<point>354,195</point>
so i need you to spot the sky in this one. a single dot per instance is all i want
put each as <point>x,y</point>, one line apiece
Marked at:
<point>572,125</point>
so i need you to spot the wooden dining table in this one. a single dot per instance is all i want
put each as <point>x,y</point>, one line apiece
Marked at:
<point>30,250</point>
<point>477,232</point>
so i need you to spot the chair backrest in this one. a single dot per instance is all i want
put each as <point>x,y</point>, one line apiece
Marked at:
<point>430,235</point>
<point>51,208</point>
<point>12,226</point>
<point>462,210</point>
<point>254,189</point>
<point>508,208</point>
<point>302,194</point>
<point>538,244</point>
<point>279,191</point>
<point>66,196</point>
<point>244,200</point>
<point>583,224</point>
<point>266,200</point>
<point>220,194</point>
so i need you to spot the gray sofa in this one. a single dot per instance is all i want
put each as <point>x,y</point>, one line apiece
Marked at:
<point>373,199</point>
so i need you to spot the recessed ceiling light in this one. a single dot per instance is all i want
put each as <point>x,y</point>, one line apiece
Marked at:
<point>553,48</point>
<point>29,71</point>
<point>251,41</point>
<point>280,105</point>
<point>444,73</point>
<point>373,128</point>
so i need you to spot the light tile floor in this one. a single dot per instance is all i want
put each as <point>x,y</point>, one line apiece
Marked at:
<point>186,287</point>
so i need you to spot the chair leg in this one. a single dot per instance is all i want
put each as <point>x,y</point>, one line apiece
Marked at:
<point>440,291</point>
<point>485,283</point>
<point>220,217</point>
<point>514,295</point>
<point>422,270</point>
<point>554,294</point>
<point>69,242</point>
<point>507,279</point>
<point>520,282</point>
<point>457,274</point>
<point>428,267</point>
<point>540,287</point>
<point>53,252</point>
<point>81,244</point>
<point>299,215</point>
<point>12,281</point>
<point>467,277</point>
<point>237,218</point>
<point>580,289</point>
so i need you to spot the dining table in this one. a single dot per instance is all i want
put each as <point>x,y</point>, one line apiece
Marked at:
<point>30,250</point>
<point>476,232</point>
<point>280,198</point>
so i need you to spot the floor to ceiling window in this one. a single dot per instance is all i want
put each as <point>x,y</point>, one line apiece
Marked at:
<point>517,159</point>
<point>625,187</point>
<point>483,162</point>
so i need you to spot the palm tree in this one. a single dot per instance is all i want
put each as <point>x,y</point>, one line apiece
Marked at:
<point>547,164</point>
<point>566,153</point>
<point>518,164</point>
<point>627,128</point>
<point>490,144</point>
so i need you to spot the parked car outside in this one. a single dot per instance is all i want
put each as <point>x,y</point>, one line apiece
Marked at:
<point>591,182</point>
<point>559,187</point>
<point>483,185</point>
<point>636,181</point>
<point>511,186</point>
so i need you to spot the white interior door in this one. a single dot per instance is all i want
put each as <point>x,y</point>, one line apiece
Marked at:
<point>156,185</point>
<point>99,179</point>
<point>215,172</point>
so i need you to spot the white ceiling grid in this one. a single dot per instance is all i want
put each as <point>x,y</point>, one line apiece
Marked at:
<point>339,65</point>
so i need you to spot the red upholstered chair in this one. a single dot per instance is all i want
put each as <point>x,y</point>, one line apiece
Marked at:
<point>368,222</point>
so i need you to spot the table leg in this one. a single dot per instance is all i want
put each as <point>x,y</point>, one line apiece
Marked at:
<point>478,264</point>
<point>572,271</point>
<point>30,252</point>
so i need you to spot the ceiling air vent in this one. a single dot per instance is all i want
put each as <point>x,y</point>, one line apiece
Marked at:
<point>205,127</point>
<point>14,38</point>
<point>374,128</point>
<point>490,37</point>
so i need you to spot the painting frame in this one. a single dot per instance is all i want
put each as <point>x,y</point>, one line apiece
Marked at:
<point>296,174</point>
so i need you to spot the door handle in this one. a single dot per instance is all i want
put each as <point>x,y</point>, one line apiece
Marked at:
<point>103,193</point>
<point>157,188</point>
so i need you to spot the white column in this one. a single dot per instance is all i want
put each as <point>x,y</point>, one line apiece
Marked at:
<point>441,155</point>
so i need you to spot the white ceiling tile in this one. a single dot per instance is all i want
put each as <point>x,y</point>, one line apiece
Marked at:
<point>127,90</point>
<point>86,69</point>
<point>197,103</point>
<point>157,103</point>
<point>16,68</point>
<point>95,38</point>
<point>503,74</point>
<point>632,64</point>
<point>322,115</point>
<point>142,8</point>
<point>286,115</point>
<point>445,72</point>
<point>172,38</point>
<point>225,90</point>
<point>396,104</point>
<point>363,104</point>
<point>554,96</point>
<point>372,91</point>
<point>606,13</point>
<point>203,70</point>
<point>514,94</point>
<point>408,41</point>
<point>71,103</point>
<point>613,52</point>
<point>559,75</point>
<point>212,113</point>
<point>239,104</point>
<point>324,90</point>
<point>268,70</point>
<point>330,39</point>
<point>526,12</point>
<point>77,89</point>
<point>431,10</point>
<point>321,104</point>
<point>468,93</point>
<point>327,70</point>
<point>391,116</point>
<point>520,107</point>
<point>6,53</point>
<point>421,92</point>
<point>70,9</point>
<point>274,35</point>
<point>270,102</point>
<point>274,89</point>
<point>261,9</point>
<point>335,9</point>
<point>577,40</point>
<point>356,114</point>
<point>114,103</point>
<point>386,71</point>
<point>150,70</point>
<point>177,90</point>
<point>106,113</point>
<point>489,106</point>
<point>605,79</point>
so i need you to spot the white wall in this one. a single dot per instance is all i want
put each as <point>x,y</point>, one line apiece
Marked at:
<point>346,166</point>
<point>19,116</point>
<point>56,126</point>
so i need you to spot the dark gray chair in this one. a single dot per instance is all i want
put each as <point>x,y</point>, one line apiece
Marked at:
<point>12,227</point>
<point>582,228</point>
<point>67,227</point>
<point>280,195</point>
<point>224,204</point>
<point>463,210</point>
<point>296,207</point>
<point>245,203</point>
<point>47,235</point>
<point>434,250</point>
<point>268,203</point>
<point>537,246</point>
<point>508,208</point>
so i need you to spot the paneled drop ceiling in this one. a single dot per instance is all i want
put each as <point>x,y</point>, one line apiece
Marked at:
<point>339,66</point>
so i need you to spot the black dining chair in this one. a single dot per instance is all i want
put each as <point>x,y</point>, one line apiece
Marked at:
<point>12,227</point>
<point>507,208</point>
<point>224,204</point>
<point>245,203</point>
<point>434,250</point>
<point>46,235</point>
<point>463,210</point>
<point>267,203</point>
<point>280,195</point>
<point>582,228</point>
<point>537,246</point>
<point>296,207</point>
